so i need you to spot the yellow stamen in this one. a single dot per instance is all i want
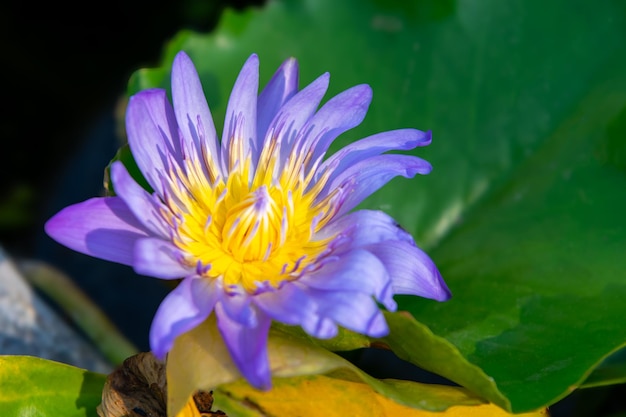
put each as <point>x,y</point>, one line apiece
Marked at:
<point>255,228</point>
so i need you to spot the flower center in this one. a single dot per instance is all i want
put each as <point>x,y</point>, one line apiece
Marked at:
<point>254,227</point>
<point>249,233</point>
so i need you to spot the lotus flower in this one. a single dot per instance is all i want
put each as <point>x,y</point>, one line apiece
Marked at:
<point>260,225</point>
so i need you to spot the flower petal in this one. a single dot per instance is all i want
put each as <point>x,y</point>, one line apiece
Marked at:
<point>158,258</point>
<point>188,305</point>
<point>355,271</point>
<point>152,134</point>
<point>401,139</point>
<point>355,311</point>
<point>341,113</point>
<point>143,205</point>
<point>293,116</point>
<point>238,307</point>
<point>289,304</point>
<point>247,346</point>
<point>102,227</point>
<point>411,270</point>
<point>364,178</point>
<point>240,125</point>
<point>363,227</point>
<point>280,88</point>
<point>191,108</point>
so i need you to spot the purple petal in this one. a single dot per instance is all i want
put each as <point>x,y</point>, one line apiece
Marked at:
<point>295,114</point>
<point>188,305</point>
<point>292,304</point>
<point>411,270</point>
<point>247,347</point>
<point>192,111</point>
<point>364,227</point>
<point>320,327</point>
<point>280,88</point>
<point>341,113</point>
<point>240,125</point>
<point>152,134</point>
<point>143,205</point>
<point>239,308</point>
<point>355,271</point>
<point>102,227</point>
<point>355,311</point>
<point>158,258</point>
<point>402,140</point>
<point>289,304</point>
<point>364,178</point>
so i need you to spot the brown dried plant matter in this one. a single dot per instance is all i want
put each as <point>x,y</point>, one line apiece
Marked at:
<point>138,388</point>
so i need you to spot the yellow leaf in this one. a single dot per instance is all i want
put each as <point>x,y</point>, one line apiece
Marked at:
<point>320,395</point>
<point>199,360</point>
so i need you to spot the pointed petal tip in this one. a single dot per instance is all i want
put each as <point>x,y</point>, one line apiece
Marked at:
<point>117,170</point>
<point>290,62</point>
<point>253,59</point>
<point>291,70</point>
<point>426,138</point>
<point>51,226</point>
<point>181,58</point>
<point>365,91</point>
<point>140,98</point>
<point>159,355</point>
<point>420,166</point>
<point>414,137</point>
<point>260,382</point>
<point>439,290</point>
<point>444,293</point>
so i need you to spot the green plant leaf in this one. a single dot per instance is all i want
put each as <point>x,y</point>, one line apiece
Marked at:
<point>611,371</point>
<point>523,212</point>
<point>33,386</point>
<point>540,263</point>
<point>126,157</point>
<point>416,343</point>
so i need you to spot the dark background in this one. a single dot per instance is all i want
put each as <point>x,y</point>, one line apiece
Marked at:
<point>65,68</point>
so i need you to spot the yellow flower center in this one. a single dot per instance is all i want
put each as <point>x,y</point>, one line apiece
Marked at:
<point>250,229</point>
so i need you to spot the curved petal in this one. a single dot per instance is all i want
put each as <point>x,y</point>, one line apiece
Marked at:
<point>188,305</point>
<point>237,305</point>
<point>192,111</point>
<point>143,205</point>
<point>239,137</point>
<point>247,347</point>
<point>291,118</point>
<point>364,178</point>
<point>341,113</point>
<point>355,311</point>
<point>152,134</point>
<point>401,139</point>
<point>355,271</point>
<point>103,227</point>
<point>158,258</point>
<point>411,270</point>
<point>364,227</point>
<point>289,304</point>
<point>280,88</point>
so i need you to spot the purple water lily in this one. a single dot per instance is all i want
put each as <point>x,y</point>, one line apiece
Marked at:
<point>258,226</point>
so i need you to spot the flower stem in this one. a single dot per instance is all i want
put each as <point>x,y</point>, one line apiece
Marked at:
<point>87,316</point>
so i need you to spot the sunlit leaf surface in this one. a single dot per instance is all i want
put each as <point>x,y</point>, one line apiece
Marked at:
<point>32,386</point>
<point>321,395</point>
